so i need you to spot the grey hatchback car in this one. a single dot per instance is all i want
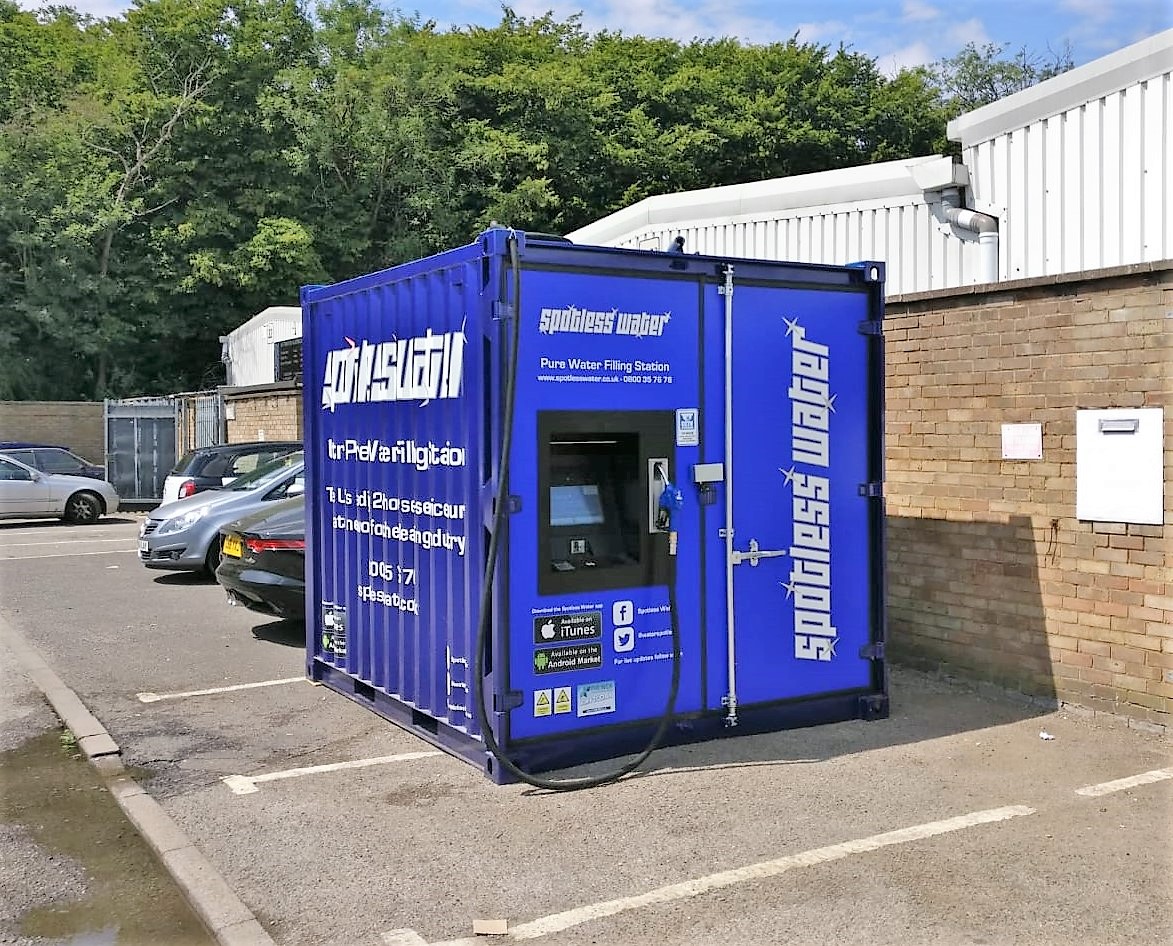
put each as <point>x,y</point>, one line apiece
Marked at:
<point>185,535</point>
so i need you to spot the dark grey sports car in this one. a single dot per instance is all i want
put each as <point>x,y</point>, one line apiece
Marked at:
<point>262,560</point>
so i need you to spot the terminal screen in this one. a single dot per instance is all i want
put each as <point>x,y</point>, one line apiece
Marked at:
<point>578,505</point>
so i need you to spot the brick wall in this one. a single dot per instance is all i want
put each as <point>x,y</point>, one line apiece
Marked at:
<point>990,574</point>
<point>264,412</point>
<point>77,425</point>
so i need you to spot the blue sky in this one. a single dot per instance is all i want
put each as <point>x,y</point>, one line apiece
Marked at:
<point>896,32</point>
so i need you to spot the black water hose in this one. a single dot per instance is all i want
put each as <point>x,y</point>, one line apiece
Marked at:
<point>500,511</point>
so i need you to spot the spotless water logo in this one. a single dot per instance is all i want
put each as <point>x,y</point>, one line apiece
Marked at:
<point>812,406</point>
<point>424,368</point>
<point>578,321</point>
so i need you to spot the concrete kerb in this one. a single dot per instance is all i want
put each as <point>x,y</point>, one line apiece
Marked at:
<point>226,916</point>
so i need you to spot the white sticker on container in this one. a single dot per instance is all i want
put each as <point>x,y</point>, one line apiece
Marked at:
<point>688,427</point>
<point>596,698</point>
<point>543,702</point>
<point>562,699</point>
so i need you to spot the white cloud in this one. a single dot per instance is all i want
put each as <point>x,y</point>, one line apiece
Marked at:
<point>915,54</point>
<point>99,9</point>
<point>971,31</point>
<point>829,32</point>
<point>1097,28</point>
<point>672,18</point>
<point>917,11</point>
<point>1093,9</point>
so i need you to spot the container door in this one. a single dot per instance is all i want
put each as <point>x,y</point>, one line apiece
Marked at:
<point>802,537</point>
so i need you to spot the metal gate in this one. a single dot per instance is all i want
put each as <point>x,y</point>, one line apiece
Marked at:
<point>140,445</point>
<point>199,420</point>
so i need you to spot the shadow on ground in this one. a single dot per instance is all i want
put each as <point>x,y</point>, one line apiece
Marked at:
<point>185,578</point>
<point>964,602</point>
<point>289,633</point>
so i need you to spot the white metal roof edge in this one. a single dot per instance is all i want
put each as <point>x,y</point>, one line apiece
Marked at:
<point>1139,62</point>
<point>786,215</point>
<point>865,182</point>
<point>266,315</point>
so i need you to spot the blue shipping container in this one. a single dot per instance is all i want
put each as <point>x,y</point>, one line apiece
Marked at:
<point>679,423</point>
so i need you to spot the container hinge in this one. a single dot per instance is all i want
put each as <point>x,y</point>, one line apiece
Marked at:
<point>874,651</point>
<point>872,490</point>
<point>502,311</point>
<point>509,701</point>
<point>871,327</point>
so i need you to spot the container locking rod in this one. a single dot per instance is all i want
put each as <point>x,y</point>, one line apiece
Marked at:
<point>729,701</point>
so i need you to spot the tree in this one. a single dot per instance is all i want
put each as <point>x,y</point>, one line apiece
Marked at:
<point>80,170</point>
<point>979,75</point>
<point>167,173</point>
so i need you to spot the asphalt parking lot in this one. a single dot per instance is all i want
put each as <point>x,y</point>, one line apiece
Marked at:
<point>951,822</point>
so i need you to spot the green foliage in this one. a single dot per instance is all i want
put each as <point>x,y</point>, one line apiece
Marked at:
<point>979,75</point>
<point>68,742</point>
<point>168,173</point>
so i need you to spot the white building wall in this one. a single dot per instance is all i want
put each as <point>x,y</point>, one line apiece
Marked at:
<point>248,351</point>
<point>1079,169</point>
<point>886,212</point>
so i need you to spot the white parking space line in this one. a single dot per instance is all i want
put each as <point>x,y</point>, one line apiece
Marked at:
<point>29,558</point>
<point>247,784</point>
<point>1120,784</point>
<point>51,530</point>
<point>148,697</point>
<point>557,922</point>
<point>78,541</point>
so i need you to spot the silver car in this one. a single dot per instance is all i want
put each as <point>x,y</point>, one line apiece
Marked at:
<point>26,493</point>
<point>185,535</point>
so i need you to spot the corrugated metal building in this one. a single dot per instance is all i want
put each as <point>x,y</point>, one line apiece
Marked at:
<point>1079,169</point>
<point>1072,174</point>
<point>828,217</point>
<point>248,352</point>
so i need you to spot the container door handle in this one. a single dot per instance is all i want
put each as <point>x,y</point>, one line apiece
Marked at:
<point>755,554</point>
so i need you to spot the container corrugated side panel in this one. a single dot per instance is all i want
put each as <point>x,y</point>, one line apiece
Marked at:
<point>419,659</point>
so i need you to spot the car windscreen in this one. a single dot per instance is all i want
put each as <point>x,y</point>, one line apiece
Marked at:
<point>184,463</point>
<point>59,461</point>
<point>263,474</point>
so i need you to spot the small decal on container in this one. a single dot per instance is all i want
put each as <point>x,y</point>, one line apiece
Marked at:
<point>596,698</point>
<point>543,702</point>
<point>571,657</point>
<point>562,700</point>
<point>688,427</point>
<point>563,628</point>
<point>333,629</point>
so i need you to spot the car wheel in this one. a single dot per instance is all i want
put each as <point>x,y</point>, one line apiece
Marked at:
<point>212,559</point>
<point>83,508</point>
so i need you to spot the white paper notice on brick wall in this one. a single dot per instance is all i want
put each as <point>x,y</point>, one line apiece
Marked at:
<point>1022,441</point>
<point>1119,465</point>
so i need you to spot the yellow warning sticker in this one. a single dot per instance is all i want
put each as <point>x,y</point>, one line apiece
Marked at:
<point>562,699</point>
<point>543,702</point>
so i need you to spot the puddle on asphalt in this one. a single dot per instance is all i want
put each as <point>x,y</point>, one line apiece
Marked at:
<point>129,899</point>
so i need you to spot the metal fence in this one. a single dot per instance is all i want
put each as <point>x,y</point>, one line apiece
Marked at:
<point>199,420</point>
